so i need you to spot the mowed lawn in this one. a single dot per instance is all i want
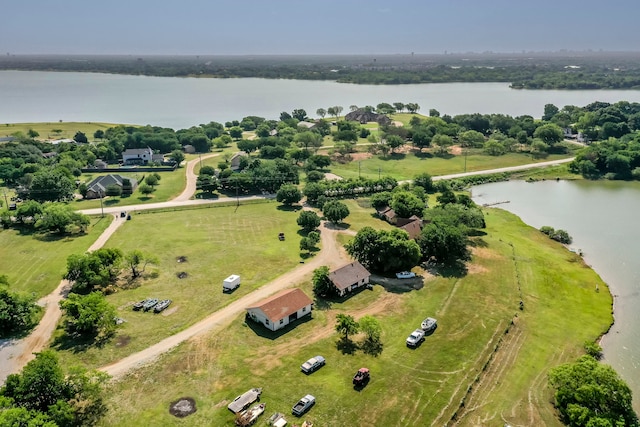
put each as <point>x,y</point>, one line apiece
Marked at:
<point>424,386</point>
<point>216,242</point>
<point>408,166</point>
<point>35,263</point>
<point>170,185</point>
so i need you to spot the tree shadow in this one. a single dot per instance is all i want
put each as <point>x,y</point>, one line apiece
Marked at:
<point>399,286</point>
<point>339,226</point>
<point>474,232</point>
<point>320,303</point>
<point>206,196</point>
<point>445,156</point>
<point>289,208</point>
<point>78,343</point>
<point>346,346</point>
<point>111,202</point>
<point>372,347</point>
<point>393,156</point>
<point>423,155</point>
<point>144,198</point>
<point>457,269</point>
<point>260,330</point>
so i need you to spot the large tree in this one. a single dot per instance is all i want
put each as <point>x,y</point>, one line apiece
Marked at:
<point>309,220</point>
<point>137,261</point>
<point>93,270</point>
<point>44,395</point>
<point>407,204</point>
<point>589,393</point>
<point>17,311</point>
<point>346,325</point>
<point>61,218</point>
<point>90,316</point>
<point>444,243</point>
<point>335,211</point>
<point>50,185</point>
<point>322,285</point>
<point>288,194</point>
<point>384,250</point>
<point>550,133</point>
<point>308,139</point>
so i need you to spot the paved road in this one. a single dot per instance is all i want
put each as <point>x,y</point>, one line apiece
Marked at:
<point>507,169</point>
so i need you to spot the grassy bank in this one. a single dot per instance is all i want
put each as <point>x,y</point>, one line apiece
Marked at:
<point>500,376</point>
<point>55,130</point>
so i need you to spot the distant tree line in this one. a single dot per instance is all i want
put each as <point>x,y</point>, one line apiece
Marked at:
<point>587,71</point>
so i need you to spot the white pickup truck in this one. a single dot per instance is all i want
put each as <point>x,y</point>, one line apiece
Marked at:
<point>303,405</point>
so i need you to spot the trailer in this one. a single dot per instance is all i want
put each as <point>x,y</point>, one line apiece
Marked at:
<point>243,401</point>
<point>230,283</point>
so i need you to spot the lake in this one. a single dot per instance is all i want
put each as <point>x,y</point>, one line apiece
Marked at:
<point>601,217</point>
<point>34,96</point>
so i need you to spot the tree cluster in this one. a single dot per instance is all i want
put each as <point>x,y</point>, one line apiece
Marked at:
<point>589,393</point>
<point>558,235</point>
<point>325,189</point>
<point>44,395</point>
<point>17,311</point>
<point>369,325</point>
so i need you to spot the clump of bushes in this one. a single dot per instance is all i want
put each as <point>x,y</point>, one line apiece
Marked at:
<point>558,235</point>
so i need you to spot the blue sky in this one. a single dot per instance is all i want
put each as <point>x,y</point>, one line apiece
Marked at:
<point>248,27</point>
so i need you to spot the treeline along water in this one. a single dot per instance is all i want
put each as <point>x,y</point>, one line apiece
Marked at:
<point>34,96</point>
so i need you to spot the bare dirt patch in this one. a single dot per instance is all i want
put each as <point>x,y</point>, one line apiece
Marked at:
<point>476,269</point>
<point>123,340</point>
<point>183,407</point>
<point>456,150</point>
<point>170,311</point>
<point>485,253</point>
<point>361,156</point>
<point>332,177</point>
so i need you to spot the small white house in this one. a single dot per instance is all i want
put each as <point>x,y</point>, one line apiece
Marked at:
<point>280,309</point>
<point>137,156</point>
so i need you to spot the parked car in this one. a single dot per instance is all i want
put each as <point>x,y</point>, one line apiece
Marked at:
<point>303,405</point>
<point>313,364</point>
<point>162,305</point>
<point>406,275</point>
<point>149,304</point>
<point>415,338</point>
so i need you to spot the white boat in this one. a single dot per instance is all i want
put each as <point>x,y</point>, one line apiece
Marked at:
<point>429,324</point>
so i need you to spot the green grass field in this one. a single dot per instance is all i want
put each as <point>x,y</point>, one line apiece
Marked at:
<point>36,262</point>
<point>217,242</point>
<point>55,130</point>
<point>407,166</point>
<point>171,184</point>
<point>409,387</point>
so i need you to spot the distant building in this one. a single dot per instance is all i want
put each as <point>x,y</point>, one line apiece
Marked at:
<point>189,149</point>
<point>97,188</point>
<point>362,116</point>
<point>307,125</point>
<point>235,160</point>
<point>137,156</point>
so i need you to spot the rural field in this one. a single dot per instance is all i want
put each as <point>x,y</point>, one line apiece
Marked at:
<point>215,242</point>
<point>35,263</point>
<point>485,364</point>
<point>56,130</point>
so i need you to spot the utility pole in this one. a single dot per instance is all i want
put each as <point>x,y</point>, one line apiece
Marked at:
<point>465,160</point>
<point>378,173</point>
<point>5,198</point>
<point>101,207</point>
<point>359,164</point>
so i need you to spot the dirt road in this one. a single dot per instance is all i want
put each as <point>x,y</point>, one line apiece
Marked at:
<point>16,353</point>
<point>190,188</point>
<point>331,255</point>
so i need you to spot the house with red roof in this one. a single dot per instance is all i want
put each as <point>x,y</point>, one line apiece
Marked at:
<point>281,309</point>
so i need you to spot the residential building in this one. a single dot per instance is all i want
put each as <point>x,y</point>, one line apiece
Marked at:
<point>97,188</point>
<point>281,309</point>
<point>137,156</point>
<point>349,278</point>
